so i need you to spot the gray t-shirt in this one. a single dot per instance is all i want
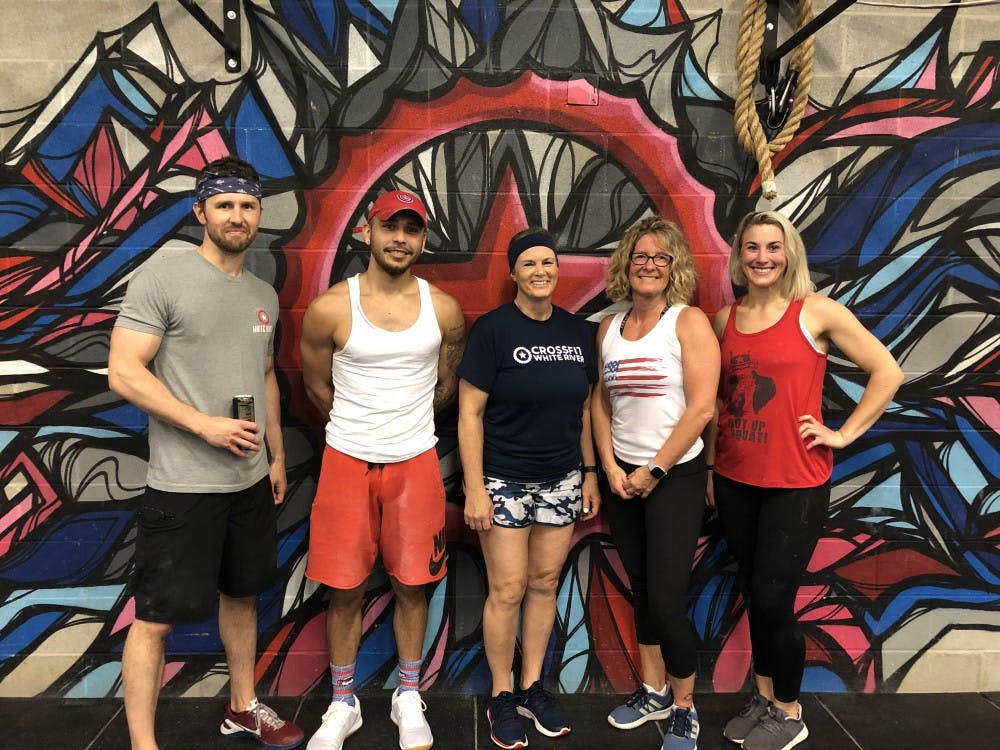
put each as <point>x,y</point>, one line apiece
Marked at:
<point>216,332</point>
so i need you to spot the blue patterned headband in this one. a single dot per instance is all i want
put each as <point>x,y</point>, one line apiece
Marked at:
<point>212,184</point>
<point>535,239</point>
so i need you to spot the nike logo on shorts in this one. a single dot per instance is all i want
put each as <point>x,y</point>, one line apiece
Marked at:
<point>436,561</point>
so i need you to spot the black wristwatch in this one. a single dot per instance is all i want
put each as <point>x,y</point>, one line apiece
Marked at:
<point>655,470</point>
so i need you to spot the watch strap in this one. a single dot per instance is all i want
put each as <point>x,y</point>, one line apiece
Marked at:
<point>657,471</point>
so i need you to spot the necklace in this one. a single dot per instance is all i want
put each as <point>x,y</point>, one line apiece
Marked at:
<point>621,328</point>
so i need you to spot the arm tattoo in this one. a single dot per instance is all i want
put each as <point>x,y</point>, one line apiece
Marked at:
<point>453,351</point>
<point>451,355</point>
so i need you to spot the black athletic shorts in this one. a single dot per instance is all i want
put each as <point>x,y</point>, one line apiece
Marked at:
<point>192,545</point>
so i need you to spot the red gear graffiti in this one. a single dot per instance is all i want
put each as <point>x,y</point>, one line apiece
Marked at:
<point>640,146</point>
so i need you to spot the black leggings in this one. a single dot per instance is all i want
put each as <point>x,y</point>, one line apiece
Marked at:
<point>656,539</point>
<point>772,534</point>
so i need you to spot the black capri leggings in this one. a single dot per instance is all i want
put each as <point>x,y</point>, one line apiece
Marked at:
<point>656,539</point>
<point>772,533</point>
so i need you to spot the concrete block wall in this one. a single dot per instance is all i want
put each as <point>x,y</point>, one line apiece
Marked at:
<point>581,116</point>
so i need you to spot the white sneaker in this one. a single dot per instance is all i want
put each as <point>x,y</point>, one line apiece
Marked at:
<point>340,721</point>
<point>408,714</point>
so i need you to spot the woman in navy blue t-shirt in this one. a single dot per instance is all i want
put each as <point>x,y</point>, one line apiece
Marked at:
<point>524,435</point>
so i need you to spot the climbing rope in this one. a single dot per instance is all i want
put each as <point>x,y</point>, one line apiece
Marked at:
<point>749,129</point>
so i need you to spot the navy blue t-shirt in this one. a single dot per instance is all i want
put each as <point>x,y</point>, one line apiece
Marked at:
<point>537,375</point>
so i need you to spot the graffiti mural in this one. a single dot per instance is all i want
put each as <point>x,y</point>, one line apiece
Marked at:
<point>574,114</point>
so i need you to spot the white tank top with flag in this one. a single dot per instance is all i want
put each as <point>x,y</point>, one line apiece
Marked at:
<point>383,385</point>
<point>645,381</point>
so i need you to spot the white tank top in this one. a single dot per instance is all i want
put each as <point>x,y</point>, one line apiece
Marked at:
<point>383,385</point>
<point>646,383</point>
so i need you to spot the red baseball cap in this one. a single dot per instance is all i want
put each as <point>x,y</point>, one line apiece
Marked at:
<point>389,204</point>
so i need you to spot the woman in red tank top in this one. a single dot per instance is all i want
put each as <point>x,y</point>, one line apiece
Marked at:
<point>773,456</point>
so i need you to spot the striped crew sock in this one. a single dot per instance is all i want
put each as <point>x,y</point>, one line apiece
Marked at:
<point>409,675</point>
<point>343,682</point>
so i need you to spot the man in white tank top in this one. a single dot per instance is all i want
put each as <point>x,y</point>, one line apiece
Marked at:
<point>379,352</point>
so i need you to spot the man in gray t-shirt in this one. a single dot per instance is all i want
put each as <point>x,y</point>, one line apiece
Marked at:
<point>195,330</point>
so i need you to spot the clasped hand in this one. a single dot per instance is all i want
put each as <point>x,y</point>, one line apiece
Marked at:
<point>639,483</point>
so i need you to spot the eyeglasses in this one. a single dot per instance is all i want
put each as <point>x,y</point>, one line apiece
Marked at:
<point>660,261</point>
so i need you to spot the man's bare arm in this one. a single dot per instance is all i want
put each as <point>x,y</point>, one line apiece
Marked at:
<point>130,377</point>
<point>316,348</point>
<point>449,316</point>
<point>272,433</point>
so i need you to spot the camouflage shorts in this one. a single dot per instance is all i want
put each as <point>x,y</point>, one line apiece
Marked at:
<point>517,505</point>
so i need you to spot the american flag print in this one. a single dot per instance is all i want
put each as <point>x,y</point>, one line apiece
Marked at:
<point>641,377</point>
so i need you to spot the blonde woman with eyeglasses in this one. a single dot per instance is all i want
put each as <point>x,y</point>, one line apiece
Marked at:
<point>660,365</point>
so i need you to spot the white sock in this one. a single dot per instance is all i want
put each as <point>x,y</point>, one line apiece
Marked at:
<point>651,689</point>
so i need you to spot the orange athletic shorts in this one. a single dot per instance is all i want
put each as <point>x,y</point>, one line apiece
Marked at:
<point>364,508</point>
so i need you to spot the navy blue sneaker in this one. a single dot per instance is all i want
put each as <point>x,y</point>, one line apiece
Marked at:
<point>506,729</point>
<point>539,705</point>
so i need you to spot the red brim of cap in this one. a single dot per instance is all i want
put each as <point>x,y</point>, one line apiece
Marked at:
<point>386,214</point>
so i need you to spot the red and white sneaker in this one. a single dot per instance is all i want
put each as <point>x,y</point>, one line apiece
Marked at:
<point>261,723</point>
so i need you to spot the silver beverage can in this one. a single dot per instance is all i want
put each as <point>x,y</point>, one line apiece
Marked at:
<point>243,408</point>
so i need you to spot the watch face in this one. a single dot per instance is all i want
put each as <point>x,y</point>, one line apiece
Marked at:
<point>656,471</point>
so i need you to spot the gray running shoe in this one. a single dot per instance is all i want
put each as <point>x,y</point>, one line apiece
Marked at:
<point>776,731</point>
<point>642,706</point>
<point>740,725</point>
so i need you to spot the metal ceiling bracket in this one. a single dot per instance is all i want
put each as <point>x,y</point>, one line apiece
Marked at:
<point>770,66</point>
<point>819,21</point>
<point>781,88</point>
<point>228,36</point>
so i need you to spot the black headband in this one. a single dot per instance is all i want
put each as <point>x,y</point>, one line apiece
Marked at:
<point>535,239</point>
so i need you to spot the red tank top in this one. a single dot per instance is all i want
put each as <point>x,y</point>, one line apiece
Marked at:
<point>769,379</point>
